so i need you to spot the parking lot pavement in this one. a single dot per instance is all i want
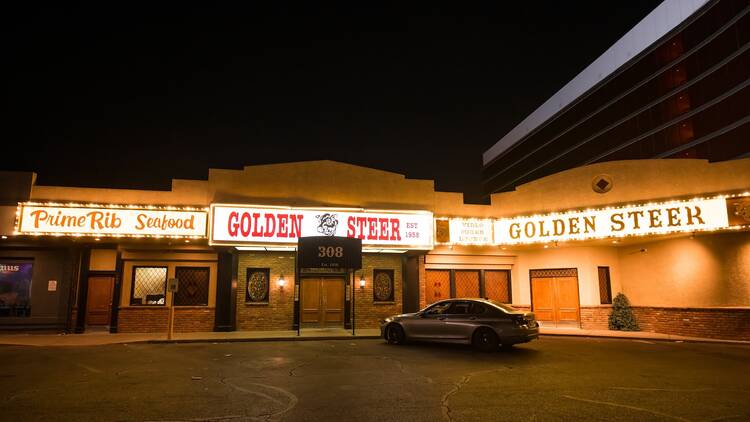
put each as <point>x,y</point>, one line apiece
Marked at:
<point>557,378</point>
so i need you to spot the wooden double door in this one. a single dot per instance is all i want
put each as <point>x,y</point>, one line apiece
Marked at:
<point>322,301</point>
<point>554,296</point>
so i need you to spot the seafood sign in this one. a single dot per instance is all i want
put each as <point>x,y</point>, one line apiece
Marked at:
<point>110,221</point>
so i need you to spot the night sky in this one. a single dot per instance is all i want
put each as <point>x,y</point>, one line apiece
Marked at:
<point>124,97</point>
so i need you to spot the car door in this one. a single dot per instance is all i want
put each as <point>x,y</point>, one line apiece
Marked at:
<point>460,321</point>
<point>428,323</point>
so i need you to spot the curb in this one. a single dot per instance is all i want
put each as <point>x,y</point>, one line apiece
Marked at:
<point>251,340</point>
<point>671,340</point>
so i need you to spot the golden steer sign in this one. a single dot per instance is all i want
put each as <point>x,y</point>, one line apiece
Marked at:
<point>636,220</point>
<point>110,221</point>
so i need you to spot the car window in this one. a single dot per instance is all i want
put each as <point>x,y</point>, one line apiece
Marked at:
<point>438,308</point>
<point>460,308</point>
<point>477,308</point>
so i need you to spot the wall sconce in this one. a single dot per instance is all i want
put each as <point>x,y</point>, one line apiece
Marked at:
<point>281,281</point>
<point>362,281</point>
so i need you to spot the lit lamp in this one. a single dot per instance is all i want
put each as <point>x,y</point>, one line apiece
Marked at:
<point>282,282</point>
<point>362,281</point>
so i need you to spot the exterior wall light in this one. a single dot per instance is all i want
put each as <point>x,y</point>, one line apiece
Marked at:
<point>282,281</point>
<point>362,281</point>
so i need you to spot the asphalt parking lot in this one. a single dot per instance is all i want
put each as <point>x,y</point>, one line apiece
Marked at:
<point>555,378</point>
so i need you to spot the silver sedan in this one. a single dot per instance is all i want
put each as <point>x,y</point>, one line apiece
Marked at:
<point>484,323</point>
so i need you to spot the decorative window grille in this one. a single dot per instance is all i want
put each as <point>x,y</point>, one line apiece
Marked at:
<point>149,286</point>
<point>383,285</point>
<point>437,285</point>
<point>467,283</point>
<point>257,285</point>
<point>497,285</point>
<point>193,286</point>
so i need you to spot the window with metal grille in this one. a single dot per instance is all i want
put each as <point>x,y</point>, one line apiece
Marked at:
<point>497,285</point>
<point>605,286</point>
<point>467,283</point>
<point>437,285</point>
<point>149,286</point>
<point>193,286</point>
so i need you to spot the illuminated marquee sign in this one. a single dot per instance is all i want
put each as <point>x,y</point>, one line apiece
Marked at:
<point>239,225</point>
<point>464,231</point>
<point>110,220</point>
<point>639,220</point>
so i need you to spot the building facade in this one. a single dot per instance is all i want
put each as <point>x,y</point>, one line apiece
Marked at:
<point>675,86</point>
<point>670,234</point>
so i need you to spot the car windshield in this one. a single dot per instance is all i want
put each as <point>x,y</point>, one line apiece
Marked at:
<point>502,306</point>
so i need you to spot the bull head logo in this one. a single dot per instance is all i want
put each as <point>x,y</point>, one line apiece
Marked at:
<point>327,224</point>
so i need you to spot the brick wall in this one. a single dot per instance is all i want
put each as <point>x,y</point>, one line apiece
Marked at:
<point>368,313</point>
<point>720,323</point>
<point>595,317</point>
<point>142,320</point>
<point>278,314</point>
<point>154,320</point>
<point>194,319</point>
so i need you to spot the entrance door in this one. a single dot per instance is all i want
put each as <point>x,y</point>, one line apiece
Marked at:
<point>99,300</point>
<point>554,295</point>
<point>322,302</point>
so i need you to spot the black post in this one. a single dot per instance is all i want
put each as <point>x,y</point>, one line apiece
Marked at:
<point>225,291</point>
<point>116,294</point>
<point>296,291</point>
<point>354,292</point>
<point>83,290</point>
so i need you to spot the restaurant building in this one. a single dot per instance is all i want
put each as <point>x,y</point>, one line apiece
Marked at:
<point>671,235</point>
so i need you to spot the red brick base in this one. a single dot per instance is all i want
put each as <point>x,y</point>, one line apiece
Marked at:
<point>155,320</point>
<point>719,323</point>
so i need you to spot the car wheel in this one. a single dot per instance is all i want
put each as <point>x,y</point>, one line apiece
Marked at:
<point>485,340</point>
<point>394,334</point>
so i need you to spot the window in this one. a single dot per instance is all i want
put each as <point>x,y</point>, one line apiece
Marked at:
<point>467,283</point>
<point>15,288</point>
<point>256,289</point>
<point>382,286</point>
<point>460,308</point>
<point>193,286</point>
<point>438,308</point>
<point>149,286</point>
<point>477,308</point>
<point>497,285</point>
<point>605,286</point>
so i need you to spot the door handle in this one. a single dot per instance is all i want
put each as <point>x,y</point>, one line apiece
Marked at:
<point>472,318</point>
<point>441,318</point>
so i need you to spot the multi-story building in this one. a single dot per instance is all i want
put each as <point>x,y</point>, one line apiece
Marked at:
<point>674,86</point>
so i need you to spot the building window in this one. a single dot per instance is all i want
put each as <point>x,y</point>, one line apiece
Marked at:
<point>467,283</point>
<point>437,285</point>
<point>605,286</point>
<point>15,288</point>
<point>256,290</point>
<point>193,286</point>
<point>382,286</point>
<point>149,286</point>
<point>497,285</point>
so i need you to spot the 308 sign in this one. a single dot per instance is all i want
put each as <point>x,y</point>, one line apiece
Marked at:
<point>330,252</point>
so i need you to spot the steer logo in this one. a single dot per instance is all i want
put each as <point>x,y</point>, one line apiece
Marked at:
<point>327,224</point>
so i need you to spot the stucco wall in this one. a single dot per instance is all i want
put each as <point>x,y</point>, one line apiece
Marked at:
<point>708,270</point>
<point>585,259</point>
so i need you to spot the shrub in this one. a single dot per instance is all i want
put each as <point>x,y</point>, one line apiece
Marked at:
<point>622,318</point>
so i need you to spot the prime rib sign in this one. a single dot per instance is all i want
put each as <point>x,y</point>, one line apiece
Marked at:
<point>110,220</point>
<point>238,225</point>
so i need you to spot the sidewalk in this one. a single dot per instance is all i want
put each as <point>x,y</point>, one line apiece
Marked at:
<point>103,338</point>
